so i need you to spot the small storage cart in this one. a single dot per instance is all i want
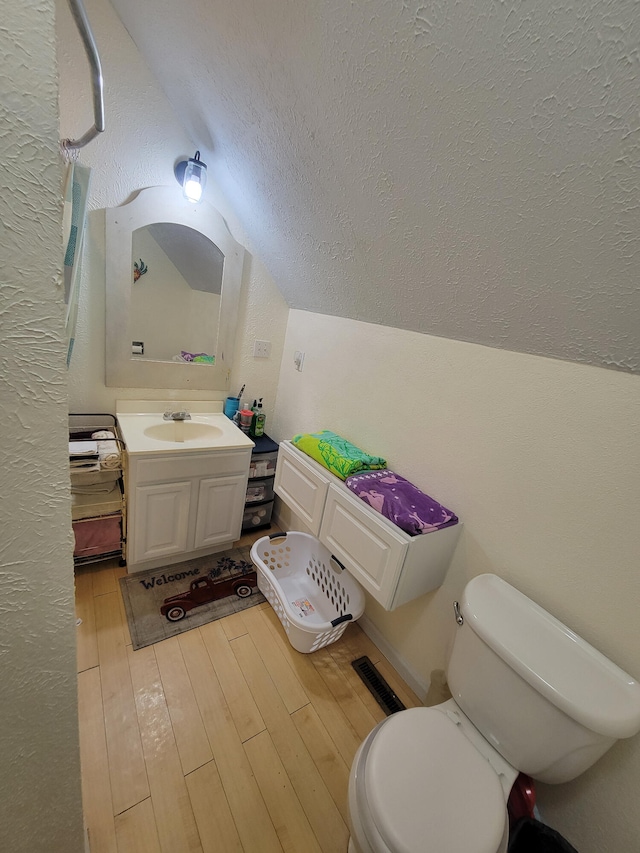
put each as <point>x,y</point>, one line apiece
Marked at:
<point>312,594</point>
<point>262,470</point>
<point>96,462</point>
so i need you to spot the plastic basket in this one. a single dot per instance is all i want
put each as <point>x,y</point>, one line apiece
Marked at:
<point>312,594</point>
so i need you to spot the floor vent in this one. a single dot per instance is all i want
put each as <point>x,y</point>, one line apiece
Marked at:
<point>377,686</point>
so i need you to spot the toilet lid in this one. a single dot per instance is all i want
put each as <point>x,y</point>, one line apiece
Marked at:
<point>427,788</point>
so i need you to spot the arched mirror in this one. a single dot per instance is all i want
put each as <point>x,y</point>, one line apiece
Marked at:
<point>173,284</point>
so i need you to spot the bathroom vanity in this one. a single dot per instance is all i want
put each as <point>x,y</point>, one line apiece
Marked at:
<point>391,565</point>
<point>185,485</point>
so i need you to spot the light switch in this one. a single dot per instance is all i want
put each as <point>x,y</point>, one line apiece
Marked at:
<point>298,360</point>
<point>261,349</point>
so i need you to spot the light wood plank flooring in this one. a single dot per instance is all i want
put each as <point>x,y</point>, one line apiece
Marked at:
<point>223,739</point>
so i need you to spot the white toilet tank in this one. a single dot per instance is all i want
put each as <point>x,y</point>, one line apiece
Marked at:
<point>549,702</point>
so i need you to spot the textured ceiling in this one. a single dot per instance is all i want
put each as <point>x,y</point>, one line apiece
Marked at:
<point>464,169</point>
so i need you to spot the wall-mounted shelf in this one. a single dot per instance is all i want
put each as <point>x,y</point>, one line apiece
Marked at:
<point>391,565</point>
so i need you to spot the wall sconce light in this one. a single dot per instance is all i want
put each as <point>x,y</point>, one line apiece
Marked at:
<point>191,174</point>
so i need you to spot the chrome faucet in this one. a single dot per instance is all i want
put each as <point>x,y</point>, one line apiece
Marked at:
<point>176,416</point>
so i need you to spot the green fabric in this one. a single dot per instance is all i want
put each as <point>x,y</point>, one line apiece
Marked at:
<point>337,454</point>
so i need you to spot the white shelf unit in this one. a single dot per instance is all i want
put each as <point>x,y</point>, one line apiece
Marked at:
<point>98,506</point>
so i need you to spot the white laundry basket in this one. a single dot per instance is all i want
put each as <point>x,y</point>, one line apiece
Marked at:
<point>310,591</point>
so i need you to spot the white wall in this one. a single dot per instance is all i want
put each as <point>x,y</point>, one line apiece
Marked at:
<point>539,458</point>
<point>141,143</point>
<point>40,798</point>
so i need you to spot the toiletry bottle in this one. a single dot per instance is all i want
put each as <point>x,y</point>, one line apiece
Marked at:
<point>254,409</point>
<point>260,418</point>
<point>246,419</point>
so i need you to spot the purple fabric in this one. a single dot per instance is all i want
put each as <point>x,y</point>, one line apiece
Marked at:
<point>400,501</point>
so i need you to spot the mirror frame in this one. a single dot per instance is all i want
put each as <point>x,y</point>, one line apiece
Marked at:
<point>165,204</point>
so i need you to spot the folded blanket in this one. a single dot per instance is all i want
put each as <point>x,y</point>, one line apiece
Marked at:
<point>401,502</point>
<point>84,464</point>
<point>98,489</point>
<point>337,454</point>
<point>82,479</point>
<point>108,449</point>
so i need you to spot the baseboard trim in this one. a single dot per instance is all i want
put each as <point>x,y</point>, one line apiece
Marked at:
<point>418,684</point>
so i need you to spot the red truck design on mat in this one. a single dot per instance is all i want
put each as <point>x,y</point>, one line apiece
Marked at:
<point>206,589</point>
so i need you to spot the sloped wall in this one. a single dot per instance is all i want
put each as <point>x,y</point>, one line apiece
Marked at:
<point>466,170</point>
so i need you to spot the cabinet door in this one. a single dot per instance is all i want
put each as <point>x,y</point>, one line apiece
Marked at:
<point>161,520</point>
<point>301,487</point>
<point>372,551</point>
<point>220,505</point>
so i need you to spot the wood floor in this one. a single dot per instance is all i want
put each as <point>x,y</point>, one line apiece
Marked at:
<point>223,738</point>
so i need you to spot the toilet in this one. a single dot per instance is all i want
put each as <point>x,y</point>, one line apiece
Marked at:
<point>528,695</point>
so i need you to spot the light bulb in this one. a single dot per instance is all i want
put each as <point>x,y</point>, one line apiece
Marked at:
<point>194,178</point>
<point>193,190</point>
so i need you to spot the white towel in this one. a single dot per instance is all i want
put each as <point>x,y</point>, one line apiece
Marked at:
<point>103,434</point>
<point>82,449</point>
<point>108,450</point>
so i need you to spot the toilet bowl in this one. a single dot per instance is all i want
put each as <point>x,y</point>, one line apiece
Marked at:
<point>529,696</point>
<point>426,780</point>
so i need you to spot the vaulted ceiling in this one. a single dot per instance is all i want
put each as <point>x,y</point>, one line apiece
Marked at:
<point>464,169</point>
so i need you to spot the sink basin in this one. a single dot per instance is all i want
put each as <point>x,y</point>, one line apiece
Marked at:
<point>145,431</point>
<point>182,431</point>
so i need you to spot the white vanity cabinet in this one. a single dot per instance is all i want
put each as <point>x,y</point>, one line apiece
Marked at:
<point>391,565</point>
<point>162,521</point>
<point>184,505</point>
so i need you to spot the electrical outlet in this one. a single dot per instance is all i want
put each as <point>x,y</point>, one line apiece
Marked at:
<point>298,360</point>
<point>261,349</point>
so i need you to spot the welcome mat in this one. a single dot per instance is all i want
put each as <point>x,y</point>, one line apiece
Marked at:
<point>161,603</point>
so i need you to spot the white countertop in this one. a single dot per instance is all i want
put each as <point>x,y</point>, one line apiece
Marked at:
<point>144,430</point>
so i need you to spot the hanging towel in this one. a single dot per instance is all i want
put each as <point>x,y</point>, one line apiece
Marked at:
<point>336,453</point>
<point>401,502</point>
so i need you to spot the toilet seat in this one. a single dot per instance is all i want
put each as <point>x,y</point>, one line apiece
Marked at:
<point>420,785</point>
